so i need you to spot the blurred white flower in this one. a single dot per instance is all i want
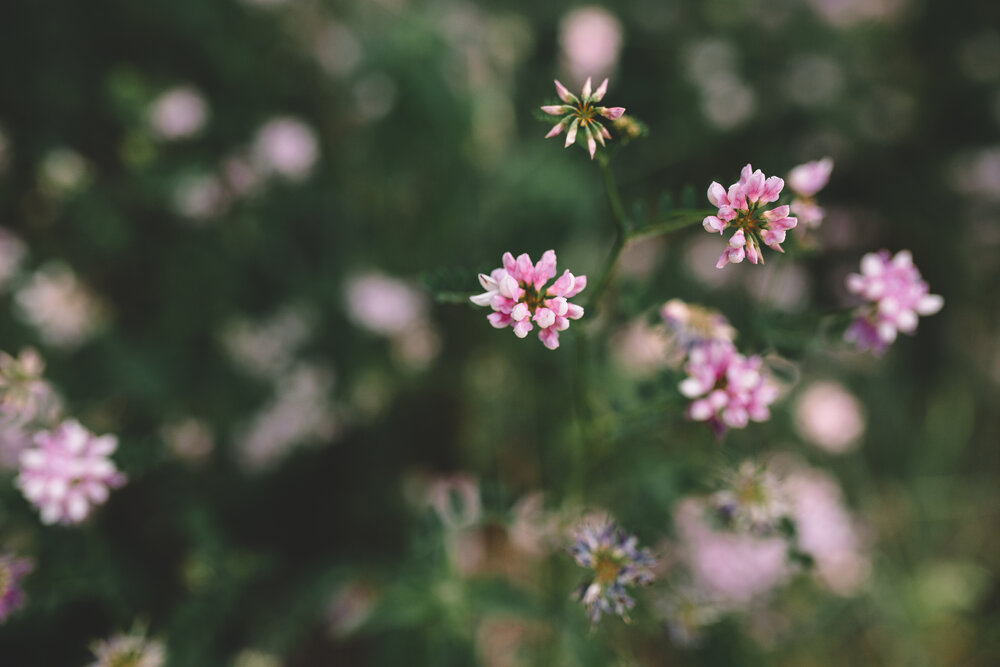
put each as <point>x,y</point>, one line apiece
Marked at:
<point>178,113</point>
<point>591,40</point>
<point>62,172</point>
<point>830,417</point>
<point>286,146</point>
<point>189,439</point>
<point>201,197</point>
<point>267,348</point>
<point>54,301</point>
<point>383,305</point>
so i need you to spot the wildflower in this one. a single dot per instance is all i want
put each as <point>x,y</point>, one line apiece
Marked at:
<point>131,650</point>
<point>617,563</point>
<point>517,294</point>
<point>896,294</point>
<point>68,472</point>
<point>21,385</point>
<point>287,147</point>
<point>12,570</point>
<point>178,113</point>
<point>729,389</point>
<point>830,417</point>
<point>579,113</point>
<point>742,208</point>
<point>752,500</point>
<point>805,181</point>
<point>692,324</point>
<point>65,311</point>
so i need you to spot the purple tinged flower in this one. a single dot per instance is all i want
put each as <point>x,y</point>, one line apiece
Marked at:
<point>617,563</point>
<point>580,115</point>
<point>752,500</point>
<point>728,389</point>
<point>895,293</point>
<point>805,181</point>
<point>692,324</point>
<point>68,472</point>
<point>517,294</point>
<point>12,570</point>
<point>741,207</point>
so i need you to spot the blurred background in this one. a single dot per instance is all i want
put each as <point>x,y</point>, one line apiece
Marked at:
<point>240,232</point>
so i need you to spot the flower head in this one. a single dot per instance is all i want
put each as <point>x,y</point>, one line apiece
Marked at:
<point>131,650</point>
<point>805,181</point>
<point>729,389</point>
<point>752,500</point>
<point>742,208</point>
<point>616,562</point>
<point>518,295</point>
<point>68,472</point>
<point>12,570</point>
<point>580,113</point>
<point>21,385</point>
<point>692,324</point>
<point>896,295</point>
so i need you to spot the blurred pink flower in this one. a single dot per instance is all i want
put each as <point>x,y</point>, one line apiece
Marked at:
<point>830,417</point>
<point>68,472</point>
<point>517,294</point>
<point>692,324</point>
<point>580,113</point>
<point>178,113</point>
<point>286,146</point>
<point>131,650</point>
<point>729,389</point>
<point>64,311</point>
<point>805,181</point>
<point>591,39</point>
<point>741,208</point>
<point>384,305</point>
<point>896,295</point>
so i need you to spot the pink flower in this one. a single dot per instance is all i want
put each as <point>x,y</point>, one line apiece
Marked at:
<point>896,295</point>
<point>728,389</point>
<point>805,181</point>
<point>68,472</point>
<point>579,113</point>
<point>517,294</point>
<point>741,207</point>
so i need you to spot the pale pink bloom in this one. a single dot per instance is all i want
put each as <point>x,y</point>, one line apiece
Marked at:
<point>286,146</point>
<point>640,349</point>
<point>896,294</point>
<point>728,389</point>
<point>68,472</point>
<point>22,389</point>
<point>455,499</point>
<point>178,113</point>
<point>591,39</point>
<point>12,252</point>
<point>384,305</point>
<point>267,348</point>
<point>830,417</point>
<point>580,114</point>
<point>741,207</point>
<point>201,197</point>
<point>348,609</point>
<point>131,650</point>
<point>805,181</point>
<point>518,296</point>
<point>14,439</point>
<point>65,312</point>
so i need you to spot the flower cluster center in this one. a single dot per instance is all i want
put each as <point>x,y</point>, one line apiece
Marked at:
<point>606,569</point>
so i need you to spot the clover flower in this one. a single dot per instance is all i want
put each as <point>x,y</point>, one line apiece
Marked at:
<point>752,500</point>
<point>729,389</point>
<point>742,208</point>
<point>896,295</point>
<point>579,113</point>
<point>22,388</point>
<point>692,324</point>
<point>805,181</point>
<point>131,650</point>
<point>12,570</point>
<point>68,472</point>
<point>617,563</point>
<point>517,293</point>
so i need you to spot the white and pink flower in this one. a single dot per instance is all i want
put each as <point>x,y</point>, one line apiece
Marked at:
<point>896,294</point>
<point>580,114</point>
<point>518,296</point>
<point>742,207</point>
<point>805,181</point>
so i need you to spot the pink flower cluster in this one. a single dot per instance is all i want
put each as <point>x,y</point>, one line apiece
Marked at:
<point>517,293</point>
<point>68,472</point>
<point>805,181</point>
<point>742,208</point>
<point>728,389</point>
<point>896,295</point>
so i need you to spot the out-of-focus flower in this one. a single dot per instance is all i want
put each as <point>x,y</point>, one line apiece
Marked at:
<point>455,499</point>
<point>252,658</point>
<point>830,417</point>
<point>267,348</point>
<point>131,650</point>
<point>349,608</point>
<point>68,472</point>
<point>12,252</point>
<point>201,197</point>
<point>640,349</point>
<point>805,181</point>
<point>617,563</point>
<point>692,324</point>
<point>580,113</point>
<point>64,311</point>
<point>517,294</point>
<point>12,570</point>
<point>729,389</point>
<point>751,500</point>
<point>383,305</point>
<point>687,611</point>
<point>286,146</point>
<point>22,388</point>
<point>844,13</point>
<point>503,640</point>
<point>63,171</point>
<point>189,439</point>
<point>591,39</point>
<point>14,439</point>
<point>896,295</point>
<point>742,208</point>
<point>178,113</point>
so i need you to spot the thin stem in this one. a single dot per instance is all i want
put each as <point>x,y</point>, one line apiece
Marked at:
<point>621,233</point>
<point>675,220</point>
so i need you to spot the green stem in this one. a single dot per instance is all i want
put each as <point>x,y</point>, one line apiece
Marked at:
<point>674,221</point>
<point>621,233</point>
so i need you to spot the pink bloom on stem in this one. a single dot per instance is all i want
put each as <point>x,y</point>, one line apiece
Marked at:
<point>805,181</point>
<point>728,389</point>
<point>579,114</point>
<point>517,294</point>
<point>896,294</point>
<point>741,207</point>
<point>68,472</point>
